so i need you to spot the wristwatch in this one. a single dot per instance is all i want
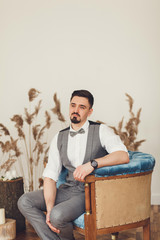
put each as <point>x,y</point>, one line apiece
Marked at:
<point>94,164</point>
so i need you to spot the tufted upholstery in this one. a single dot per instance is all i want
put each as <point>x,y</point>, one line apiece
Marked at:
<point>139,162</point>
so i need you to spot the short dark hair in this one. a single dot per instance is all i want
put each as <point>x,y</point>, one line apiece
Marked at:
<point>84,93</point>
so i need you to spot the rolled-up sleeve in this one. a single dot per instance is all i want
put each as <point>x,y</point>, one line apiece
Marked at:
<point>110,141</point>
<point>54,165</point>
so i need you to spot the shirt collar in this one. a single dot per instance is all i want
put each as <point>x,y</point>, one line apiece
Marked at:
<point>85,126</point>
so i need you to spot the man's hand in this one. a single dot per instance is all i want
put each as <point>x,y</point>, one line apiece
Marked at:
<point>49,223</point>
<point>50,195</point>
<point>82,171</point>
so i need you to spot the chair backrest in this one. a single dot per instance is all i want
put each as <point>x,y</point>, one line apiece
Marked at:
<point>122,201</point>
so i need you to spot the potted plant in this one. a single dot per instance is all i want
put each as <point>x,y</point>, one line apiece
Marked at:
<point>29,149</point>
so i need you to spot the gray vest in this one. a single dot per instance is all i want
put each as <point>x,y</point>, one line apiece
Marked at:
<point>94,150</point>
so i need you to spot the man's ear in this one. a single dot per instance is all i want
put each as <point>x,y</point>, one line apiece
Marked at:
<point>90,112</point>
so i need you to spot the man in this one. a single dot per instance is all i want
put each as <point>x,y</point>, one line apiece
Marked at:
<point>81,148</point>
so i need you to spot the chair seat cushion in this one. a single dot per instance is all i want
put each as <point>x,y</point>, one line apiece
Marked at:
<point>79,222</point>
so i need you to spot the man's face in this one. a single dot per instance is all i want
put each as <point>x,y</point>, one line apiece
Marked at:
<point>79,110</point>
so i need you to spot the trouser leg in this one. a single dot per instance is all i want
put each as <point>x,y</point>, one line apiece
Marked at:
<point>68,206</point>
<point>32,205</point>
<point>65,212</point>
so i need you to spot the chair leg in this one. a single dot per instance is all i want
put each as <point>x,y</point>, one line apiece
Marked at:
<point>114,236</point>
<point>146,232</point>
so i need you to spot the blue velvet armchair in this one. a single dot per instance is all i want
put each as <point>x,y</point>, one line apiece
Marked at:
<point>117,198</point>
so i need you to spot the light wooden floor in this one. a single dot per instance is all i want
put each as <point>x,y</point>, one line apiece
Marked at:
<point>133,234</point>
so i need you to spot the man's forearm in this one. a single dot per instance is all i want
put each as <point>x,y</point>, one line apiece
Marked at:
<point>50,196</point>
<point>114,158</point>
<point>49,193</point>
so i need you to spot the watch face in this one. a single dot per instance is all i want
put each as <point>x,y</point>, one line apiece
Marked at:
<point>94,164</point>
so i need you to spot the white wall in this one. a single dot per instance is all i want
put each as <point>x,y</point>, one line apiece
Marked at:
<point>110,47</point>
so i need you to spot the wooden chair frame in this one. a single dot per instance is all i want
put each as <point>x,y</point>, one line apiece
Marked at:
<point>91,232</point>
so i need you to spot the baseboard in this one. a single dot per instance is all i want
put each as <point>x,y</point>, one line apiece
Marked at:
<point>155,199</point>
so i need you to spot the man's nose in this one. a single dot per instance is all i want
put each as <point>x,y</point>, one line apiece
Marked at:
<point>77,109</point>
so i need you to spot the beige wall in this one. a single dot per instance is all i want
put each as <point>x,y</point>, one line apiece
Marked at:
<point>108,47</point>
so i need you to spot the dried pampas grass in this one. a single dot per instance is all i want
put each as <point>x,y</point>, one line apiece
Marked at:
<point>48,119</point>
<point>130,132</point>
<point>37,108</point>
<point>4,130</point>
<point>32,144</point>
<point>29,117</point>
<point>6,146</point>
<point>7,165</point>
<point>57,108</point>
<point>18,120</point>
<point>35,131</point>
<point>32,94</point>
<point>40,182</point>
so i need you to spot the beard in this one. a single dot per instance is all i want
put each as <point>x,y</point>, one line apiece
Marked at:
<point>74,119</point>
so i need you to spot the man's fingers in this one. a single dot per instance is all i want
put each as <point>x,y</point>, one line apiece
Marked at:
<point>79,177</point>
<point>50,225</point>
<point>52,228</point>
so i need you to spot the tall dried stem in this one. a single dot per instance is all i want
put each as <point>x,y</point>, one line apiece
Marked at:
<point>129,135</point>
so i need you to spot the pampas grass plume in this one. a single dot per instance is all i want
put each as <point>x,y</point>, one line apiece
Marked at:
<point>32,94</point>
<point>57,108</point>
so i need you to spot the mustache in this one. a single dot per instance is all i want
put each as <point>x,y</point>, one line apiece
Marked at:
<point>75,114</point>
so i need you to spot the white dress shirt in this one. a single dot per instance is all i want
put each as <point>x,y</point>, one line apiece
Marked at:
<point>77,148</point>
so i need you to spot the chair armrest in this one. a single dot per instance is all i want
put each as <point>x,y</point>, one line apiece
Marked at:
<point>139,162</point>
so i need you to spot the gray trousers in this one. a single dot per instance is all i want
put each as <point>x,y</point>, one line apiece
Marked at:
<point>69,204</point>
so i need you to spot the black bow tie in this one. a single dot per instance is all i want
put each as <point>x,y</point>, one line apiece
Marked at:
<point>72,134</point>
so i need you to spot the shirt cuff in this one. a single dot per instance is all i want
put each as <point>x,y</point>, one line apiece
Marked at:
<point>48,173</point>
